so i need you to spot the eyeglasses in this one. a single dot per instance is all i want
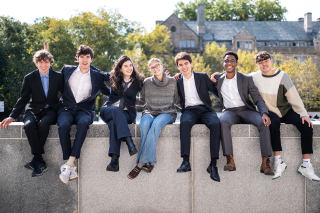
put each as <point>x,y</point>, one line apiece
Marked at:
<point>155,67</point>
<point>231,61</point>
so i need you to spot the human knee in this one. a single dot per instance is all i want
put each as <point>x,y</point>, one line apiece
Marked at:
<point>214,124</point>
<point>30,124</point>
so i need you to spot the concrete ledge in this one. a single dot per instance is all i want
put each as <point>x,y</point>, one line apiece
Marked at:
<point>163,190</point>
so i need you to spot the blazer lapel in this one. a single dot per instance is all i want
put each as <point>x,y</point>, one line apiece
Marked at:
<point>197,82</point>
<point>66,79</point>
<point>39,83</point>
<point>239,84</point>
<point>51,81</point>
<point>220,81</point>
<point>181,87</point>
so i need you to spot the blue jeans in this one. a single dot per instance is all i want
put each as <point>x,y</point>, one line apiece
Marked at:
<point>150,128</point>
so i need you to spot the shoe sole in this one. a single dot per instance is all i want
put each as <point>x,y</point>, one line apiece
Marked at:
<point>261,171</point>
<point>73,178</point>
<point>28,167</point>
<point>182,171</point>
<point>308,178</point>
<point>229,168</point>
<point>112,170</point>
<point>39,175</point>
<point>62,181</point>
<point>133,152</point>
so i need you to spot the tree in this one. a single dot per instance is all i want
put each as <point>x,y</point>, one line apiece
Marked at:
<point>232,10</point>
<point>15,59</point>
<point>212,56</point>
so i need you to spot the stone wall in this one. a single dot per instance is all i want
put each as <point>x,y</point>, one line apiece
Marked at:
<point>162,190</point>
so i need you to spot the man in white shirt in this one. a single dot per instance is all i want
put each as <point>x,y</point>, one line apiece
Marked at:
<point>81,87</point>
<point>234,89</point>
<point>193,89</point>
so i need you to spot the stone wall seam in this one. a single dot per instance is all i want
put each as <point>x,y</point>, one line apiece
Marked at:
<point>21,131</point>
<point>78,185</point>
<point>192,172</point>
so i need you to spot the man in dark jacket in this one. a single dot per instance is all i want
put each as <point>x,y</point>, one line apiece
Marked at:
<point>193,89</point>
<point>43,85</point>
<point>81,87</point>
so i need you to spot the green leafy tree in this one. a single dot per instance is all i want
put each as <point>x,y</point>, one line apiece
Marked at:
<point>15,59</point>
<point>232,10</point>
<point>212,56</point>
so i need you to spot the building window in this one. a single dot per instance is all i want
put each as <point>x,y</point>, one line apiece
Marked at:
<point>187,44</point>
<point>173,29</point>
<point>282,44</point>
<point>311,44</point>
<point>300,59</point>
<point>192,44</point>
<point>245,44</point>
<point>294,44</point>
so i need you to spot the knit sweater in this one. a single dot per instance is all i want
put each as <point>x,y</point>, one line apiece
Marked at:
<point>279,93</point>
<point>159,97</point>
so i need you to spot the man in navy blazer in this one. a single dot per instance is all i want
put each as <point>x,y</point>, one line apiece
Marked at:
<point>196,105</point>
<point>81,87</point>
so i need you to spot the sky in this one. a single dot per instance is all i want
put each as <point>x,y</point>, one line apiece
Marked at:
<point>146,12</point>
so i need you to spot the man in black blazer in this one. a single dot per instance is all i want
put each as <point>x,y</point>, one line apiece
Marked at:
<point>234,89</point>
<point>81,87</point>
<point>196,105</point>
<point>43,85</point>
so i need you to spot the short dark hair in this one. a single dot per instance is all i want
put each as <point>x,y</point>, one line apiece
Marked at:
<point>261,56</point>
<point>231,53</point>
<point>85,50</point>
<point>183,56</point>
<point>42,55</point>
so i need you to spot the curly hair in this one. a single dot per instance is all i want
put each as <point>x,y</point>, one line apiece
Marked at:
<point>261,56</point>
<point>85,50</point>
<point>42,55</point>
<point>116,77</point>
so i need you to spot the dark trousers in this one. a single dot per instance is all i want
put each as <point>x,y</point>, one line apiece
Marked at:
<point>37,128</point>
<point>65,121</point>
<point>245,116</point>
<point>291,117</point>
<point>199,115</point>
<point>117,120</point>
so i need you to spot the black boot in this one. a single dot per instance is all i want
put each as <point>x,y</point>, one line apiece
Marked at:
<point>114,164</point>
<point>131,147</point>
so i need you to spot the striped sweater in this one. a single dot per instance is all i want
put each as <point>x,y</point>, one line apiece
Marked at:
<point>279,93</point>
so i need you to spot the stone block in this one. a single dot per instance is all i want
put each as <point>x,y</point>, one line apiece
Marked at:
<point>162,190</point>
<point>286,130</point>
<point>170,130</point>
<point>246,189</point>
<point>12,131</point>
<point>35,194</point>
<point>316,131</point>
<point>313,188</point>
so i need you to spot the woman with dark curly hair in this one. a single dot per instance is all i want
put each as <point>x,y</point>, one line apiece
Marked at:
<point>120,110</point>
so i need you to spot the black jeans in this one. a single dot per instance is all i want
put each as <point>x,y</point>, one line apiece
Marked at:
<point>291,117</point>
<point>37,128</point>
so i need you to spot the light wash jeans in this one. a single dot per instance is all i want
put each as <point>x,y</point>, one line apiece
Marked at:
<point>150,128</point>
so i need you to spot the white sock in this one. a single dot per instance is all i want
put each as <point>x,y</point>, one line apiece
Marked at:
<point>306,163</point>
<point>277,159</point>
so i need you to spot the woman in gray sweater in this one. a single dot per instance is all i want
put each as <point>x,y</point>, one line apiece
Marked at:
<point>159,95</point>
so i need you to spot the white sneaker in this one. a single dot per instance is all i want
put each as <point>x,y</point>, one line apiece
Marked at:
<point>73,174</point>
<point>279,168</point>
<point>65,173</point>
<point>308,172</point>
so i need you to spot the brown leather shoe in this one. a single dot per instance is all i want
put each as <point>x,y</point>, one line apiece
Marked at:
<point>230,166</point>
<point>265,166</point>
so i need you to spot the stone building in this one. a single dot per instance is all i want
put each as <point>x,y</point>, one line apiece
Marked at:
<point>294,39</point>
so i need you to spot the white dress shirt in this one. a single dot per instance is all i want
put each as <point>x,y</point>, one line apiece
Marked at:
<point>230,93</point>
<point>80,84</point>
<point>190,91</point>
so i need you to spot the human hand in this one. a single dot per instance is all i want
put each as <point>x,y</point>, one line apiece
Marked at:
<point>307,119</point>
<point>5,123</point>
<point>77,59</point>
<point>266,120</point>
<point>212,77</point>
<point>177,76</point>
<point>46,47</point>
<point>167,73</point>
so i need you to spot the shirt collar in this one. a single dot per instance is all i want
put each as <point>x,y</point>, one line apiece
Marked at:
<point>192,76</point>
<point>44,76</point>
<point>234,77</point>
<point>78,70</point>
<point>128,80</point>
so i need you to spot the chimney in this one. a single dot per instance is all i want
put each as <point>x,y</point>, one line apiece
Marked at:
<point>201,28</point>
<point>159,22</point>
<point>318,19</point>
<point>252,18</point>
<point>300,19</point>
<point>308,22</point>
